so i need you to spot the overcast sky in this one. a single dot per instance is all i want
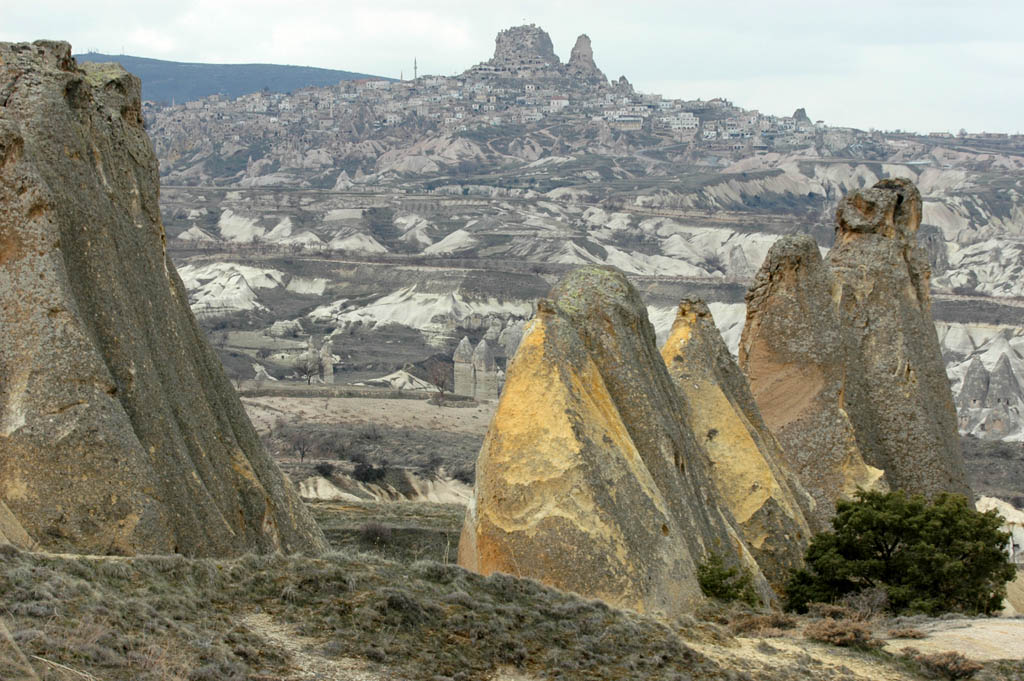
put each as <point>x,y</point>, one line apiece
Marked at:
<point>908,64</point>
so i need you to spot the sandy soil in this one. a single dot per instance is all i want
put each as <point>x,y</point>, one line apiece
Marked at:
<point>264,411</point>
<point>978,639</point>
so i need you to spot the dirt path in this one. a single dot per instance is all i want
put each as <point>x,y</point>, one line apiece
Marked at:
<point>307,665</point>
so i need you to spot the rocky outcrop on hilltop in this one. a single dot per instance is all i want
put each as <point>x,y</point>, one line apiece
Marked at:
<point>119,432</point>
<point>581,62</point>
<point>843,357</point>
<point>766,499</point>
<point>590,478</point>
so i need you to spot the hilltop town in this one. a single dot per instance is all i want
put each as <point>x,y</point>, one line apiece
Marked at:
<point>524,88</point>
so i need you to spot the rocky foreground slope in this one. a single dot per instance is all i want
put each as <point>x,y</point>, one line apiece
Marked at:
<point>119,432</point>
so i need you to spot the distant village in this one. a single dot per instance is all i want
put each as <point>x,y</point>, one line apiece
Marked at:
<point>524,84</point>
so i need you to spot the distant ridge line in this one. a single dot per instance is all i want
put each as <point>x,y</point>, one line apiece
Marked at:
<point>166,81</point>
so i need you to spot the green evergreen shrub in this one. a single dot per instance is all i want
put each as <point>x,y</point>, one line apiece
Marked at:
<point>928,556</point>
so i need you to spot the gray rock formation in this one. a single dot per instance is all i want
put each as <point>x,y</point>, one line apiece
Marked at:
<point>897,392</point>
<point>791,352</point>
<point>119,432</point>
<point>974,392</point>
<point>463,369</point>
<point>590,479</point>
<point>843,356</point>
<point>485,373</point>
<point>327,362</point>
<point>581,62</point>
<point>521,51</point>
<point>991,404</point>
<point>1003,388</point>
<point>763,495</point>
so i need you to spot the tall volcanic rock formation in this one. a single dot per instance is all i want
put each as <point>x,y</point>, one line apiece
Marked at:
<point>119,432</point>
<point>521,51</point>
<point>791,351</point>
<point>768,503</point>
<point>581,62</point>
<point>589,478</point>
<point>843,357</point>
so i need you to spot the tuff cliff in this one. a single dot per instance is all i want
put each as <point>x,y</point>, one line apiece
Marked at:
<point>589,478</point>
<point>843,357</point>
<point>765,497</point>
<point>791,352</point>
<point>119,432</point>
<point>898,395</point>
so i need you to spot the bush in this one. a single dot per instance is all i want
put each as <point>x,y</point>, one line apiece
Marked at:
<point>948,665</point>
<point>928,557</point>
<point>727,584</point>
<point>366,472</point>
<point>324,469</point>
<point>375,533</point>
<point>843,633</point>
<point>761,625</point>
<point>906,632</point>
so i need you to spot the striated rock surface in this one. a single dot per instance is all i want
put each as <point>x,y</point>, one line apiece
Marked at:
<point>748,467</point>
<point>589,478</point>
<point>791,353</point>
<point>843,357</point>
<point>119,432</point>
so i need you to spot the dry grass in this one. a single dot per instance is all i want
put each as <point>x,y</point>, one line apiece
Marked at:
<point>178,618</point>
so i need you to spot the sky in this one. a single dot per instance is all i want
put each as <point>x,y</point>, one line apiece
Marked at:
<point>896,64</point>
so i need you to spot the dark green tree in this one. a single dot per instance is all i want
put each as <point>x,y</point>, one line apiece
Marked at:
<point>929,556</point>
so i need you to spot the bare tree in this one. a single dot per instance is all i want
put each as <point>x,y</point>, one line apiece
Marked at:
<point>440,374</point>
<point>308,367</point>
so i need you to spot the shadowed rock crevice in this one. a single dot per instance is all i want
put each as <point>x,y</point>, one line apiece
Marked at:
<point>120,432</point>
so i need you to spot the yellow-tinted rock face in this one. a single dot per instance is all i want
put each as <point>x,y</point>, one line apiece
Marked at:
<point>589,479</point>
<point>11,531</point>
<point>766,500</point>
